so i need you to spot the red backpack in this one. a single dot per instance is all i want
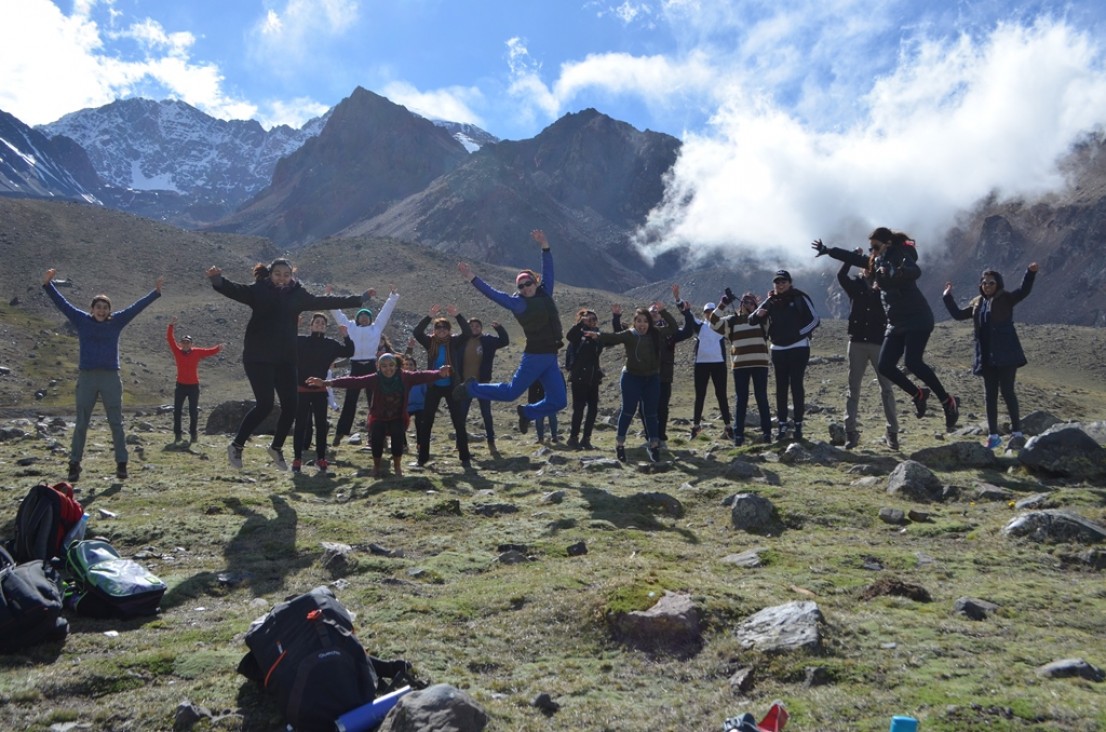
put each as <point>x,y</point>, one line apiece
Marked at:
<point>45,516</point>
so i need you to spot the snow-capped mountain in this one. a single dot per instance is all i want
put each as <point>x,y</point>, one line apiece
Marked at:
<point>33,165</point>
<point>470,136</point>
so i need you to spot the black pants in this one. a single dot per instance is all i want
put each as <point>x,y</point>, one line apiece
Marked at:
<point>485,415</point>
<point>585,406</point>
<point>434,396</point>
<point>909,346</point>
<point>311,409</point>
<point>349,407</point>
<point>758,375</point>
<point>705,373</point>
<point>789,365</point>
<point>379,430</point>
<point>995,379</point>
<point>191,392</point>
<point>265,380</point>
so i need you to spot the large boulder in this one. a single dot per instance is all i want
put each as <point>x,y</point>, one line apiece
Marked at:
<point>1067,452</point>
<point>441,707</point>
<point>788,627</point>
<point>674,623</point>
<point>1054,526</point>
<point>915,481</point>
<point>755,514</point>
<point>956,456</point>
<point>225,418</point>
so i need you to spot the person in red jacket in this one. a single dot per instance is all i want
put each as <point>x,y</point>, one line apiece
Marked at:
<point>388,418</point>
<point>188,378</point>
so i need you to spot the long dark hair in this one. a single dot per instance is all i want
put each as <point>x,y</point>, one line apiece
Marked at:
<point>262,271</point>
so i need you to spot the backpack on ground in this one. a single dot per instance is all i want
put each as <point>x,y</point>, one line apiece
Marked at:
<point>306,656</point>
<point>45,516</point>
<point>104,585</point>
<point>30,604</point>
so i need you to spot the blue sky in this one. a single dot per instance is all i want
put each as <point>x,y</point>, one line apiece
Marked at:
<point>800,118</point>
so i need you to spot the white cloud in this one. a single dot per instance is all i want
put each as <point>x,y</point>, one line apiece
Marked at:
<point>452,104</point>
<point>292,112</point>
<point>285,37</point>
<point>956,120</point>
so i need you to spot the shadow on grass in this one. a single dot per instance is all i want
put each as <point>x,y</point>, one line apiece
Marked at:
<point>261,555</point>
<point>637,511</point>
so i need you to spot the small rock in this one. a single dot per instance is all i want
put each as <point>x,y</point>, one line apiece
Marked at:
<point>578,549</point>
<point>1071,667</point>
<point>893,516</point>
<point>546,704</point>
<point>974,609</point>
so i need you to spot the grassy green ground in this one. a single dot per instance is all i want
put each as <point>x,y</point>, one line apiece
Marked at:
<point>230,544</point>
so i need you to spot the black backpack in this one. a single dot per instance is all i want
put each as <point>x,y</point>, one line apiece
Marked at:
<point>45,517</point>
<point>30,604</point>
<point>305,655</point>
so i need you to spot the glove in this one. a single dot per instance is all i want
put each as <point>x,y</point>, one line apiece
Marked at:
<point>724,301</point>
<point>819,247</point>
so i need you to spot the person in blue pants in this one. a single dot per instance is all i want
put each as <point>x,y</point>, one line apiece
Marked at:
<point>533,307</point>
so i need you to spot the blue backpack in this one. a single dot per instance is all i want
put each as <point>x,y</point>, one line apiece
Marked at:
<point>104,585</point>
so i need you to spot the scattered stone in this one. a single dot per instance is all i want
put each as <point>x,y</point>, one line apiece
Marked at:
<point>914,481</point>
<point>988,492</point>
<point>741,469</point>
<point>788,627</point>
<point>1091,558</point>
<point>656,501</point>
<point>555,497</point>
<point>188,714</point>
<point>837,434</point>
<point>544,703</point>
<point>919,517</point>
<point>1055,526</point>
<point>648,468</point>
<point>750,558</point>
<point>440,707</point>
<point>974,609</point>
<point>742,680</point>
<point>755,514</point>
<point>957,455</point>
<point>816,676</point>
<point>337,558</point>
<point>893,516</point>
<point>896,587</point>
<point>867,468</point>
<point>1035,501</point>
<point>104,513</point>
<point>380,551</point>
<point>871,563</point>
<point>512,556</point>
<point>26,461</point>
<point>578,549</point>
<point>604,463</point>
<point>1067,668</point>
<point>673,623</point>
<point>1038,422</point>
<point>494,509</point>
<point>235,578</point>
<point>1066,452</point>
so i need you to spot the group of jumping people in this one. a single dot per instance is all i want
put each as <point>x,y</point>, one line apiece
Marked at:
<point>890,320</point>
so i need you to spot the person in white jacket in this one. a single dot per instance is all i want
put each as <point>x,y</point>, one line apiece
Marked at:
<point>365,331</point>
<point>710,366</point>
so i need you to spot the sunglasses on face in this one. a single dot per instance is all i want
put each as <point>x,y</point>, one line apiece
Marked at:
<point>441,326</point>
<point>527,283</point>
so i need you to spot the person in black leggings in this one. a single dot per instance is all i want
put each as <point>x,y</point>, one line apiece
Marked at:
<point>276,299</point>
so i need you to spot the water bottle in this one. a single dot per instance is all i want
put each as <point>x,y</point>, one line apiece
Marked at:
<point>368,716</point>
<point>76,533</point>
<point>903,724</point>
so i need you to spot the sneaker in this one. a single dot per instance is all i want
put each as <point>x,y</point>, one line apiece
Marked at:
<point>654,454</point>
<point>461,391</point>
<point>696,430</point>
<point>852,439</point>
<point>952,412</point>
<point>993,441</point>
<point>322,465</point>
<point>739,441</point>
<point>766,438</point>
<point>586,445</point>
<point>920,401</point>
<point>891,439</point>
<point>620,453</point>
<point>297,466</point>
<point>573,443</point>
<point>74,472</point>
<point>121,471</point>
<point>277,457</point>
<point>193,437</point>
<point>798,435</point>
<point>234,456</point>
<point>728,432</point>
<point>1016,441</point>
<point>178,437</point>
<point>781,434</point>
<point>523,420</point>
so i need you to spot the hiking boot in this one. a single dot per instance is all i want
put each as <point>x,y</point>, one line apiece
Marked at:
<point>993,441</point>
<point>178,437</point>
<point>277,457</point>
<point>696,430</point>
<point>297,466</point>
<point>523,420</point>
<point>121,471</point>
<point>766,438</point>
<point>852,439</point>
<point>234,456</point>
<point>193,437</point>
<point>951,405</point>
<point>654,453</point>
<point>728,432</point>
<point>461,391</point>
<point>781,433</point>
<point>337,442</point>
<point>798,436</point>
<point>573,443</point>
<point>74,472</point>
<point>322,465</point>
<point>586,445</point>
<point>891,439</point>
<point>920,401</point>
<point>739,440</point>
<point>620,453</point>
<point>466,464</point>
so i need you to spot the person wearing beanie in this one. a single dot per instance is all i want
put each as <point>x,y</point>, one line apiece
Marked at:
<point>187,360</point>
<point>892,262</point>
<point>790,319</point>
<point>98,334</point>
<point>365,331</point>
<point>710,368</point>
<point>533,307</point>
<point>998,352</point>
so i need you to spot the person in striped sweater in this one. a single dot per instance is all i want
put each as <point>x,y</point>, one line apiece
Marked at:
<point>749,360</point>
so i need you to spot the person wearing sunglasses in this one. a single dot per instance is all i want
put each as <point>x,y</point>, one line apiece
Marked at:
<point>998,352</point>
<point>444,348</point>
<point>534,309</point>
<point>892,262</point>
